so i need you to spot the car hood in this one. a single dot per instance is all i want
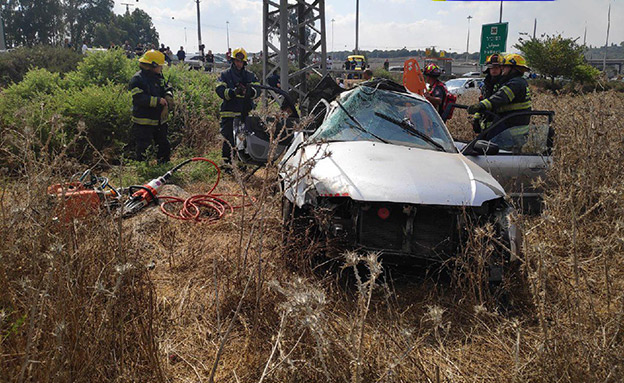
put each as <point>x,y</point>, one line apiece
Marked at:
<point>378,172</point>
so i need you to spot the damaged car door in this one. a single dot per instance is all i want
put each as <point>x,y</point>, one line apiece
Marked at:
<point>516,156</point>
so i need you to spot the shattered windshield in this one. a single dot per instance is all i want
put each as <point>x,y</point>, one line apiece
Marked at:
<point>366,104</point>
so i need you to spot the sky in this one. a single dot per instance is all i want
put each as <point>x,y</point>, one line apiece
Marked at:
<point>385,24</point>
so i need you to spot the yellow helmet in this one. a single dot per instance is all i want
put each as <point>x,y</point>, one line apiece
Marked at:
<point>516,60</point>
<point>242,51</point>
<point>153,57</point>
<point>495,59</point>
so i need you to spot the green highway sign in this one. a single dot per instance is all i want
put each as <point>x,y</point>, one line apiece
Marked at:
<point>493,40</point>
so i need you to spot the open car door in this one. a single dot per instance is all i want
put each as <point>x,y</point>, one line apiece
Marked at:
<point>516,156</point>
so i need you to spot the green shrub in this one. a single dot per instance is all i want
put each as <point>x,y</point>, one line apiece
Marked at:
<point>36,81</point>
<point>194,121</point>
<point>16,63</point>
<point>101,67</point>
<point>105,112</point>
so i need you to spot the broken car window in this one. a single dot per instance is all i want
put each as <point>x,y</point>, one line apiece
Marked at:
<point>364,102</point>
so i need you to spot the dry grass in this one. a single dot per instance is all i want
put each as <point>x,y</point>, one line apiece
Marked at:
<point>230,303</point>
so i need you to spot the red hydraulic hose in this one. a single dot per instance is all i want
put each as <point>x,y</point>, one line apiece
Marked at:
<point>192,207</point>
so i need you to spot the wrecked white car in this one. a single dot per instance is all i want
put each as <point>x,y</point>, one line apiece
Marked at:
<point>385,170</point>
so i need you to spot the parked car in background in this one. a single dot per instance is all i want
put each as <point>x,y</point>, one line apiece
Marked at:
<point>472,74</point>
<point>195,61</point>
<point>396,68</point>
<point>459,86</point>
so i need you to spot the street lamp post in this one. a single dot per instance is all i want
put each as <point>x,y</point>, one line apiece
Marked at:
<point>357,25</point>
<point>604,60</point>
<point>332,20</point>
<point>468,39</point>
<point>227,32</point>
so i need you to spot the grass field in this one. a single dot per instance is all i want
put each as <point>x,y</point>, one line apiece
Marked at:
<point>233,302</point>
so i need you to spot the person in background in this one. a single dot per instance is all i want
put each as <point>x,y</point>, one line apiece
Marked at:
<point>84,48</point>
<point>168,56</point>
<point>181,54</point>
<point>228,55</point>
<point>152,100</point>
<point>437,90</point>
<point>235,88</point>
<point>209,61</point>
<point>386,65</point>
<point>67,44</point>
<point>329,63</point>
<point>493,68</point>
<point>128,49</point>
<point>138,51</point>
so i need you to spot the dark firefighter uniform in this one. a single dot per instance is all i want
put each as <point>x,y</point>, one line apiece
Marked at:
<point>512,96</point>
<point>490,86</point>
<point>235,88</point>
<point>149,116</point>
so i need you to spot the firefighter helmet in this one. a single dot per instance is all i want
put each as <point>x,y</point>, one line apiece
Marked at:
<point>495,59</point>
<point>153,57</point>
<point>238,51</point>
<point>432,70</point>
<point>514,59</point>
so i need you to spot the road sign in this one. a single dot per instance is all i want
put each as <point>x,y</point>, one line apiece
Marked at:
<point>493,40</point>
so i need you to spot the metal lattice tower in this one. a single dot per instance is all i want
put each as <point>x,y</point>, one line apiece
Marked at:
<point>297,27</point>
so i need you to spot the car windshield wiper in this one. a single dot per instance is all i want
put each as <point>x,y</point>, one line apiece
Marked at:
<point>407,126</point>
<point>359,126</point>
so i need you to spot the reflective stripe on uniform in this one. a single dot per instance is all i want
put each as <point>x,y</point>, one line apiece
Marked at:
<point>226,114</point>
<point>514,107</point>
<point>153,102</point>
<point>487,104</point>
<point>134,91</point>
<point>145,121</point>
<point>227,95</point>
<point>508,92</point>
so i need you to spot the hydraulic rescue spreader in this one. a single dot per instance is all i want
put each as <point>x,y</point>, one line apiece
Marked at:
<point>91,194</point>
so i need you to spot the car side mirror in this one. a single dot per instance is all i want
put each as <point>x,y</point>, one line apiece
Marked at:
<point>485,147</point>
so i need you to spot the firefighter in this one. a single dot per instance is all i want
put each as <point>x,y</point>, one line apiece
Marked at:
<point>437,90</point>
<point>512,96</point>
<point>151,101</point>
<point>235,87</point>
<point>491,84</point>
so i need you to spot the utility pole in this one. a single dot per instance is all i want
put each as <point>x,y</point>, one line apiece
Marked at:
<point>199,39</point>
<point>2,37</point>
<point>500,19</point>
<point>128,5</point>
<point>468,39</point>
<point>604,60</point>
<point>534,28</point>
<point>185,36</point>
<point>357,25</point>
<point>585,35</point>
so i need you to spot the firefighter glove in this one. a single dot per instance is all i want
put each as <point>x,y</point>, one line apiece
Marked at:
<point>476,125</point>
<point>476,108</point>
<point>240,89</point>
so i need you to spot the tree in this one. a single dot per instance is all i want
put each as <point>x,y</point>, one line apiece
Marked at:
<point>31,22</point>
<point>556,56</point>
<point>135,28</point>
<point>82,16</point>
